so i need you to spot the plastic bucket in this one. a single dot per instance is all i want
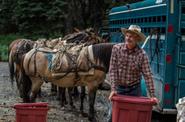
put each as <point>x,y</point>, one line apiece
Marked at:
<point>131,109</point>
<point>31,112</point>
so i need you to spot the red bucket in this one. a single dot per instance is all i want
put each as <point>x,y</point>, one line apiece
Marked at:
<point>131,109</point>
<point>31,112</point>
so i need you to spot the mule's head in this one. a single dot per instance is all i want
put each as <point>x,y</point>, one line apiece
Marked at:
<point>102,54</point>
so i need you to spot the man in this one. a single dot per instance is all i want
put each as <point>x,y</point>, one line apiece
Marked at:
<point>127,65</point>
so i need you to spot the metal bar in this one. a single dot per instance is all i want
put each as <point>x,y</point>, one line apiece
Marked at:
<point>180,66</point>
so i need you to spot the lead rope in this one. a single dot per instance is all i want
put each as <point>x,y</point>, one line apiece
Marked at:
<point>156,51</point>
<point>153,31</point>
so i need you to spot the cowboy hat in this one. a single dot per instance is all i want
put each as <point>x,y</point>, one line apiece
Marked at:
<point>134,29</point>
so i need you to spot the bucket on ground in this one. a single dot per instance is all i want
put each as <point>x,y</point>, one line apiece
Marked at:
<point>31,112</point>
<point>131,109</point>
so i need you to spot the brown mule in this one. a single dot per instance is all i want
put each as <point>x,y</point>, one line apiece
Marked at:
<point>37,69</point>
<point>16,50</point>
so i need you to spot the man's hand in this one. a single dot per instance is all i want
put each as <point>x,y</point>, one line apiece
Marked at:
<point>112,94</point>
<point>154,99</point>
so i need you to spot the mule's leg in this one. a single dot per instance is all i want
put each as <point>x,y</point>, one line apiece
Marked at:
<point>75,92</point>
<point>92,96</point>
<point>39,93</point>
<point>53,89</point>
<point>25,86</point>
<point>82,96</point>
<point>70,89</point>
<point>62,96</point>
<point>36,85</point>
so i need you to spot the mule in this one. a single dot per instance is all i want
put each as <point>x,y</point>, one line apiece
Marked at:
<point>20,46</point>
<point>17,49</point>
<point>15,52</point>
<point>36,70</point>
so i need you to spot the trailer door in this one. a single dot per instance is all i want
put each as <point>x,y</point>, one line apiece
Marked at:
<point>180,79</point>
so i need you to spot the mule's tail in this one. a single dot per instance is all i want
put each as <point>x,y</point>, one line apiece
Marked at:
<point>11,66</point>
<point>25,84</point>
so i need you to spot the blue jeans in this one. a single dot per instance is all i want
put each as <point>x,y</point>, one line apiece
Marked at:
<point>134,91</point>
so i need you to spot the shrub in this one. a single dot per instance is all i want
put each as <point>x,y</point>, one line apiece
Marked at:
<point>3,52</point>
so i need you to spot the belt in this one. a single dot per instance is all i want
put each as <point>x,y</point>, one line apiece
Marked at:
<point>128,85</point>
<point>127,88</point>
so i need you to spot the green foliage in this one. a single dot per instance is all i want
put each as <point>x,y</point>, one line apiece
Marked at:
<point>40,18</point>
<point>48,18</point>
<point>3,52</point>
<point>7,39</point>
<point>7,24</point>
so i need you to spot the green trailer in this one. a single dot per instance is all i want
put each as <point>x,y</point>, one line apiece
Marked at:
<point>163,21</point>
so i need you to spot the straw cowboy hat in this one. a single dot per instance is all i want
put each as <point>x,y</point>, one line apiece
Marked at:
<point>134,29</point>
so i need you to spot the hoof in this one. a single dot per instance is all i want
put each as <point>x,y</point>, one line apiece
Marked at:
<point>26,100</point>
<point>84,114</point>
<point>92,119</point>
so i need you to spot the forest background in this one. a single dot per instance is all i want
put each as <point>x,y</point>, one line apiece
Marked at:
<point>33,19</point>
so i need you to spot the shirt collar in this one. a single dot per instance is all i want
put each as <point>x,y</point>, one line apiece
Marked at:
<point>130,50</point>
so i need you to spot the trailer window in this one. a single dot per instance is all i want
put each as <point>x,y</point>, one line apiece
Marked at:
<point>182,31</point>
<point>141,20</point>
<point>163,30</point>
<point>154,19</point>
<point>138,20</point>
<point>150,19</point>
<point>164,18</point>
<point>126,21</point>
<point>183,9</point>
<point>158,18</point>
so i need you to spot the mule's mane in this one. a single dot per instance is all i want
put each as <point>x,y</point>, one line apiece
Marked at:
<point>87,36</point>
<point>103,52</point>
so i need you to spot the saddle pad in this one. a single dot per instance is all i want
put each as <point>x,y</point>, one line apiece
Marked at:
<point>71,59</point>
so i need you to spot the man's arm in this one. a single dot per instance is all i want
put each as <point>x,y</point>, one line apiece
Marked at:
<point>113,68</point>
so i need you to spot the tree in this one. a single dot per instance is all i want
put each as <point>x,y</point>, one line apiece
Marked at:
<point>7,25</point>
<point>51,17</point>
<point>43,17</point>
<point>84,13</point>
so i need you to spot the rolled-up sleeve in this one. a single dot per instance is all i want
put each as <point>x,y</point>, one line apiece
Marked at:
<point>147,73</point>
<point>113,68</point>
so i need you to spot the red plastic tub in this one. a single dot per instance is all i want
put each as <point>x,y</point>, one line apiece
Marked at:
<point>131,109</point>
<point>31,112</point>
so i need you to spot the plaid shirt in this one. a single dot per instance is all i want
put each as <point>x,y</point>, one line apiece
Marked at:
<point>127,67</point>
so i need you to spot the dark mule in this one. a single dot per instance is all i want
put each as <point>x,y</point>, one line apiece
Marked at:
<point>16,50</point>
<point>37,70</point>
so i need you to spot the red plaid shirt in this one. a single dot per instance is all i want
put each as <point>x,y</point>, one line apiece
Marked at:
<point>127,67</point>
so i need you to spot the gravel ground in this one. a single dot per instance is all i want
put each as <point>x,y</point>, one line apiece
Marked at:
<point>9,97</point>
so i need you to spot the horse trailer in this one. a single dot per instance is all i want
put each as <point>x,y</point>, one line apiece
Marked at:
<point>163,21</point>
